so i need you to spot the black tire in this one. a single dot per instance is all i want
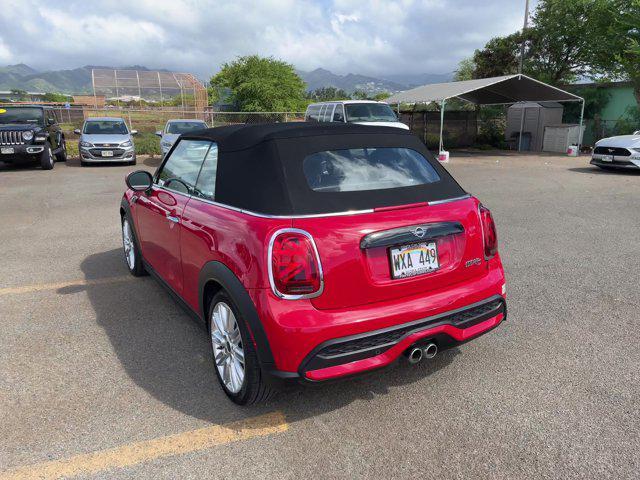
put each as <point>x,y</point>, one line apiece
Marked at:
<point>47,159</point>
<point>83,163</point>
<point>254,389</point>
<point>61,156</point>
<point>133,162</point>
<point>136,268</point>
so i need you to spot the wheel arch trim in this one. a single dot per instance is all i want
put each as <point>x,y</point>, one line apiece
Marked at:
<point>221,274</point>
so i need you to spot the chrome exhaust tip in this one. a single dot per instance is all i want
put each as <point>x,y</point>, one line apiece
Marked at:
<point>415,355</point>
<point>430,351</point>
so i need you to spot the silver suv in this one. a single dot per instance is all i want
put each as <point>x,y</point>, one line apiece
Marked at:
<point>106,139</point>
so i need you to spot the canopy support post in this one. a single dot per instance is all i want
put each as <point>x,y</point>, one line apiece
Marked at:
<point>521,127</point>
<point>580,127</point>
<point>398,109</point>
<point>441,124</point>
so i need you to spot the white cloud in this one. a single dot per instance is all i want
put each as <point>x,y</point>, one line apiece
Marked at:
<point>376,37</point>
<point>5,53</point>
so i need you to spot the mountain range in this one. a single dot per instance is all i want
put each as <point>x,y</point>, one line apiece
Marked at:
<point>78,80</point>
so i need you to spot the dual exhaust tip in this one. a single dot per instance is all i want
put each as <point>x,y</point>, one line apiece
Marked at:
<point>416,354</point>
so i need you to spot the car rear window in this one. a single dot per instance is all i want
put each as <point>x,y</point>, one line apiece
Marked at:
<point>358,169</point>
<point>185,127</point>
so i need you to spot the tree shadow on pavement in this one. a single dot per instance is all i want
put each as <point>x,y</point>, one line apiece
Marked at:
<point>166,352</point>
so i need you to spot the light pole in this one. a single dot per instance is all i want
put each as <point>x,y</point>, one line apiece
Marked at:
<point>524,30</point>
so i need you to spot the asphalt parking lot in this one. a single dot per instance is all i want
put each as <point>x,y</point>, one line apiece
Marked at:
<point>103,375</point>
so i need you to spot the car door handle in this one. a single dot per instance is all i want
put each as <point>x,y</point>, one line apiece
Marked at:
<point>173,219</point>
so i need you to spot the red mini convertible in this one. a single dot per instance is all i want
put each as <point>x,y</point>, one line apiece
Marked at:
<point>314,251</point>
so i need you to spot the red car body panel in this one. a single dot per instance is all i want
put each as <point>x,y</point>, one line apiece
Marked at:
<point>355,276</point>
<point>160,239</point>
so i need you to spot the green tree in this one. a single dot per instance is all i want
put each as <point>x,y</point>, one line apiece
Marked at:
<point>21,94</point>
<point>325,94</point>
<point>55,97</point>
<point>625,29</point>
<point>498,57</point>
<point>381,96</point>
<point>569,38</point>
<point>259,84</point>
<point>360,95</point>
<point>466,70</point>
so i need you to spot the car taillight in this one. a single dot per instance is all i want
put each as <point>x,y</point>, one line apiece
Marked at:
<point>295,270</point>
<point>489,232</point>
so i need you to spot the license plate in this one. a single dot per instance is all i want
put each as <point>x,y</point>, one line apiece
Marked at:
<point>7,150</point>
<point>607,158</point>
<point>414,259</point>
<point>107,153</point>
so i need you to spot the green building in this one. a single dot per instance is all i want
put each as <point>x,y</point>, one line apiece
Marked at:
<point>610,112</point>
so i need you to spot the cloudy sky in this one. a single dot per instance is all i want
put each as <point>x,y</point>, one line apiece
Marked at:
<point>368,37</point>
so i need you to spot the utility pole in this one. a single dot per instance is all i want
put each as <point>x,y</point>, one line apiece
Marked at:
<point>524,30</point>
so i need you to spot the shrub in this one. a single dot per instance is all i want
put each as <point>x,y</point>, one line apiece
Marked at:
<point>147,144</point>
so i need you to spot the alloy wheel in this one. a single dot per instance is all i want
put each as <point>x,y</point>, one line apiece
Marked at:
<point>228,351</point>
<point>127,243</point>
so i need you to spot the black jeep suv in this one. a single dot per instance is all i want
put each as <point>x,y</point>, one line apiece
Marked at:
<point>31,134</point>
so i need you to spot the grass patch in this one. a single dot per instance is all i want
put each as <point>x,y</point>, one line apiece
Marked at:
<point>146,144</point>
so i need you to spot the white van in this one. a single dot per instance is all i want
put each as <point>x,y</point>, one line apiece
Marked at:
<point>364,112</point>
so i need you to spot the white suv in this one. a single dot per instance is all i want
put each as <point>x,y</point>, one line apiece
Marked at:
<point>364,112</point>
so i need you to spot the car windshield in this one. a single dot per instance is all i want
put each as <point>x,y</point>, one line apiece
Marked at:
<point>21,115</point>
<point>184,127</point>
<point>357,169</point>
<point>105,127</point>
<point>370,112</point>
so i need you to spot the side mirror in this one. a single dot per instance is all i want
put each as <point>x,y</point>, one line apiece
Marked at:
<point>77,131</point>
<point>159,133</point>
<point>134,132</point>
<point>139,181</point>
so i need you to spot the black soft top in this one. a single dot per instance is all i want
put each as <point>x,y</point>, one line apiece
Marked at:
<point>260,167</point>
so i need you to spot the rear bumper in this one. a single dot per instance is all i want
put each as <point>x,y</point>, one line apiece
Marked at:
<point>316,345</point>
<point>341,356</point>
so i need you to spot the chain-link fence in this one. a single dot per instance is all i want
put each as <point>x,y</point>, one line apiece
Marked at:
<point>460,129</point>
<point>149,121</point>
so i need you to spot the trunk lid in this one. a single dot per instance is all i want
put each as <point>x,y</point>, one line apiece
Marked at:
<point>356,265</point>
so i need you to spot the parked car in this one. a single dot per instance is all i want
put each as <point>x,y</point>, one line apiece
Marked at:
<point>314,252</point>
<point>31,133</point>
<point>364,112</point>
<point>174,128</point>
<point>106,139</point>
<point>621,152</point>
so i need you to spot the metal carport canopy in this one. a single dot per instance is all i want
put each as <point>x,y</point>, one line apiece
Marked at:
<point>486,91</point>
